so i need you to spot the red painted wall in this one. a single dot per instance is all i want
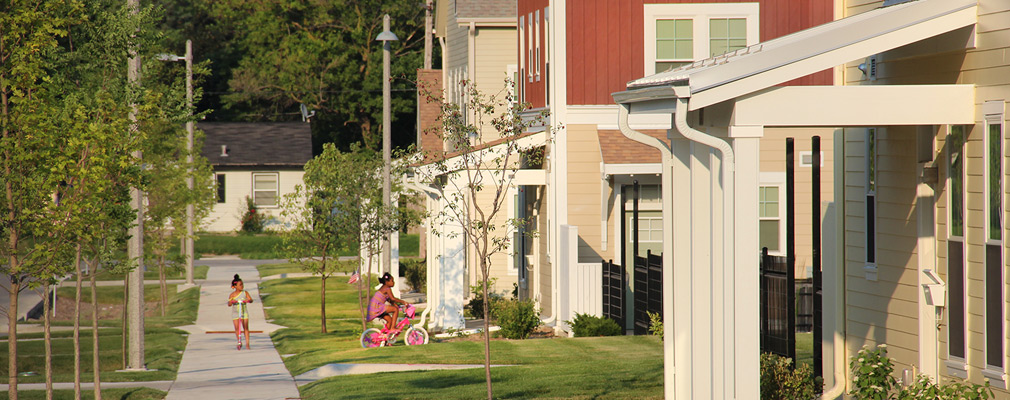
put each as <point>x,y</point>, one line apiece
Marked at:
<point>534,92</point>
<point>605,49</point>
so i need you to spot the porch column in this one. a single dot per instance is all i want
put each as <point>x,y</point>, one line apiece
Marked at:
<point>746,288</point>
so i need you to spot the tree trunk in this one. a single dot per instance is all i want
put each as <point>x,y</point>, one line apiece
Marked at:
<point>94,330</point>
<point>361,307</point>
<point>322,302</point>
<point>126,302</point>
<point>163,283</point>
<point>46,321</point>
<point>487,335</point>
<point>77,324</point>
<point>12,335</point>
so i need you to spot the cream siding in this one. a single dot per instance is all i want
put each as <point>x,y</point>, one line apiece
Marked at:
<point>987,67</point>
<point>584,195</point>
<point>227,216</point>
<point>495,50</point>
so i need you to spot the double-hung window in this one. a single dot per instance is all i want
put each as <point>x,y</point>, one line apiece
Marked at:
<point>772,212</point>
<point>679,34</point>
<point>220,188</point>
<point>265,189</point>
<point>994,241</point>
<point>955,244</point>
<point>871,196</point>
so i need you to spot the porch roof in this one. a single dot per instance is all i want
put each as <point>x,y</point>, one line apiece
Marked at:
<point>766,64</point>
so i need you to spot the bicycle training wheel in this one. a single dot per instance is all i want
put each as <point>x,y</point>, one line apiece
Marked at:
<point>371,337</point>
<point>416,335</point>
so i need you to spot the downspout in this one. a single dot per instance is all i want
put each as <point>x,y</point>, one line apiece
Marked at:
<point>838,341</point>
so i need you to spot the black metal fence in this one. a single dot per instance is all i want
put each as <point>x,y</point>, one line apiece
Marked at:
<point>613,291</point>
<point>648,290</point>
<point>778,306</point>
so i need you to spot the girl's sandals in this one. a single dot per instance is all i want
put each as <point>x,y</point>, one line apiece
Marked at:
<point>239,345</point>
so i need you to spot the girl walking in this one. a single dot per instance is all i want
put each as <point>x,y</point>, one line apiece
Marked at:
<point>238,300</point>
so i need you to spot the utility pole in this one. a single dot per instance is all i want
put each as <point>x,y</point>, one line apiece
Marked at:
<point>135,245</point>
<point>428,4</point>
<point>190,208</point>
<point>385,37</point>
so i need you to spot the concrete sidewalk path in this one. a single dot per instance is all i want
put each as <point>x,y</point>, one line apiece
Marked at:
<point>211,368</point>
<point>329,370</point>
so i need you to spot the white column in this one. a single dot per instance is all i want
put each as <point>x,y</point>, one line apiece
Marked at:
<point>677,277</point>
<point>925,202</point>
<point>746,290</point>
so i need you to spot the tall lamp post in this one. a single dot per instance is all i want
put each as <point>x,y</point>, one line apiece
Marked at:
<point>190,208</point>
<point>385,37</point>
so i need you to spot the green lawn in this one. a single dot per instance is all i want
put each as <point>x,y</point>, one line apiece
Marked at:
<point>163,344</point>
<point>266,246</point>
<point>107,394</point>
<point>805,348</point>
<point>113,294</point>
<point>199,272</point>
<point>612,367</point>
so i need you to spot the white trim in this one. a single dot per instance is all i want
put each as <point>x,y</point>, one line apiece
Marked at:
<point>701,13</point>
<point>778,180</point>
<point>605,118</point>
<point>809,154</point>
<point>996,373</point>
<point>632,169</point>
<point>491,22</point>
<point>522,55</point>
<point>536,43</point>
<point>956,365</point>
<point>997,378</point>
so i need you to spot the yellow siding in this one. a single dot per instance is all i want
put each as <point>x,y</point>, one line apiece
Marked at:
<point>495,49</point>
<point>584,191</point>
<point>987,67</point>
<point>772,159</point>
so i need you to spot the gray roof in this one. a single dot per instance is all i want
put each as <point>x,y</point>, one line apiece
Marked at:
<point>249,144</point>
<point>486,8</point>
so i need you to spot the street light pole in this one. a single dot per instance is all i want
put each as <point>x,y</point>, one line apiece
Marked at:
<point>385,37</point>
<point>190,208</point>
<point>187,242</point>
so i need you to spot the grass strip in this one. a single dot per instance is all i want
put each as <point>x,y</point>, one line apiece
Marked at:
<point>163,344</point>
<point>611,367</point>
<point>140,393</point>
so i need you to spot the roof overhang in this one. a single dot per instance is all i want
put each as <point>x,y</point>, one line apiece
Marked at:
<point>489,22</point>
<point>456,162</point>
<point>766,64</point>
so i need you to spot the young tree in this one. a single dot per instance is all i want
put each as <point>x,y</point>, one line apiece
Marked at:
<point>488,135</point>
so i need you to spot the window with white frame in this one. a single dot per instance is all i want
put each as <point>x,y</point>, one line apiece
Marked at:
<point>523,68</point>
<point>955,244</point>
<point>994,280</point>
<point>547,56</point>
<point>265,189</point>
<point>871,196</point>
<point>679,34</point>
<point>536,41</point>
<point>529,47</point>
<point>770,218</point>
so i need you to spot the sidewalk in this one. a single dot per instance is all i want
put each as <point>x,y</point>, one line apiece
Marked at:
<point>211,368</point>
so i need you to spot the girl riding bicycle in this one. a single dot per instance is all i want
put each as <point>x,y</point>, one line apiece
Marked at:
<point>377,307</point>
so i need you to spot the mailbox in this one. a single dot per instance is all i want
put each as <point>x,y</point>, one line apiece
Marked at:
<point>935,289</point>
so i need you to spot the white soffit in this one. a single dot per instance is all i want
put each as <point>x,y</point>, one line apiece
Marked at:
<point>766,64</point>
<point>868,105</point>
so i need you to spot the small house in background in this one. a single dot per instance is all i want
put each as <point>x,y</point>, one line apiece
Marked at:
<point>259,160</point>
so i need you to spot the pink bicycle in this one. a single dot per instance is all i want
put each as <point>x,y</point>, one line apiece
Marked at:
<point>415,335</point>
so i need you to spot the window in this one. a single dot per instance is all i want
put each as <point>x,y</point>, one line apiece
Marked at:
<point>770,224</point>
<point>547,57</point>
<point>674,43</point>
<point>220,188</point>
<point>955,244</point>
<point>529,47</point>
<point>536,43</point>
<point>265,189</point>
<point>994,243</point>
<point>685,33</point>
<point>726,35</point>
<point>871,195</point>
<point>522,47</point>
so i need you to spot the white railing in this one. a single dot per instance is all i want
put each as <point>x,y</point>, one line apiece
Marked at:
<point>581,288</point>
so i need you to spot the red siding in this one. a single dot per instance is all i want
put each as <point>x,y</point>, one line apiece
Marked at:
<point>605,48</point>
<point>535,92</point>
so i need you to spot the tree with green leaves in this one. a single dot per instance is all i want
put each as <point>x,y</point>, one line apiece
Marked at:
<point>487,134</point>
<point>324,55</point>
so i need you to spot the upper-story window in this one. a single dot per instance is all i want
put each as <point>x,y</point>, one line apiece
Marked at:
<point>536,41</point>
<point>679,34</point>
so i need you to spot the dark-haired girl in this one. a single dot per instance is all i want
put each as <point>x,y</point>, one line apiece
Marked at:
<point>377,307</point>
<point>238,300</point>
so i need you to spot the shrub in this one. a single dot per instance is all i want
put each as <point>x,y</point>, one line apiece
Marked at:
<point>872,379</point>
<point>655,324</point>
<point>780,380</point>
<point>517,318</point>
<point>585,325</point>
<point>476,303</point>
<point>416,272</point>
<point>252,220</point>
